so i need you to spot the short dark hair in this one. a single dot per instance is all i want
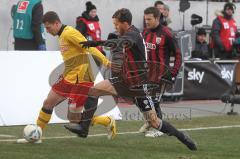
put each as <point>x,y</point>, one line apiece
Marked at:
<point>201,31</point>
<point>123,15</point>
<point>158,3</point>
<point>152,10</point>
<point>50,17</point>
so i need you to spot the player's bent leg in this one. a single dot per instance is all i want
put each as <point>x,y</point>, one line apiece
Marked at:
<point>90,108</point>
<point>87,118</point>
<point>46,112</point>
<point>146,126</point>
<point>146,106</point>
<point>154,122</point>
<point>107,121</point>
<point>82,127</point>
<point>74,113</point>
<point>170,130</point>
<point>152,118</point>
<point>101,89</point>
<point>101,120</point>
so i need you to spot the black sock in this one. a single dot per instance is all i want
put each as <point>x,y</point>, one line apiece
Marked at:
<point>87,115</point>
<point>167,128</point>
<point>158,109</point>
<point>47,111</point>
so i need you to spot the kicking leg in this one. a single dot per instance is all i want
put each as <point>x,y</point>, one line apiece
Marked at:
<point>170,130</point>
<point>88,118</point>
<point>107,121</point>
<point>46,112</point>
<point>146,104</point>
<point>102,89</point>
<point>165,127</point>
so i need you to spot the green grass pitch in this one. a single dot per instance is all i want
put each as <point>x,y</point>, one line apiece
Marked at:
<point>223,143</point>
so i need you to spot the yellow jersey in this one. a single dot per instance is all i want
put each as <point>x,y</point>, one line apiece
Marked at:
<point>76,61</point>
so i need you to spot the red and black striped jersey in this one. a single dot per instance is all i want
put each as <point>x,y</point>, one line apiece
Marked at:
<point>161,45</point>
<point>134,58</point>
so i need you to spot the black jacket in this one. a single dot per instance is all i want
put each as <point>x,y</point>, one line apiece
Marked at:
<point>201,51</point>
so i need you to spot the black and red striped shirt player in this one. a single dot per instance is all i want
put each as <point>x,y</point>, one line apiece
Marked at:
<point>161,45</point>
<point>130,69</point>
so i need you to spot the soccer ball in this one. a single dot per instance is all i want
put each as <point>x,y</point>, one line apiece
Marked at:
<point>32,133</point>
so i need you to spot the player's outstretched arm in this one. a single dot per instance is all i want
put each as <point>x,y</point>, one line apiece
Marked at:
<point>76,38</point>
<point>112,43</point>
<point>87,44</point>
<point>99,56</point>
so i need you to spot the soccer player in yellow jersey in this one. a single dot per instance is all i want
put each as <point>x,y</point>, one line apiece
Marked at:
<point>76,79</point>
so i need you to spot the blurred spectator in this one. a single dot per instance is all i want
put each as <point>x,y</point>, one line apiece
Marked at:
<point>236,46</point>
<point>88,23</point>
<point>166,17</point>
<point>27,25</point>
<point>160,6</point>
<point>224,32</point>
<point>201,47</point>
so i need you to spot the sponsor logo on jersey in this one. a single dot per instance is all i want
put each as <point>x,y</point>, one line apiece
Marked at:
<point>150,46</point>
<point>91,26</point>
<point>63,46</point>
<point>158,40</point>
<point>22,7</point>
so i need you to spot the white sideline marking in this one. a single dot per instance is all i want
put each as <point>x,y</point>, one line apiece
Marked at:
<point>7,136</point>
<point>123,133</point>
<point>214,127</point>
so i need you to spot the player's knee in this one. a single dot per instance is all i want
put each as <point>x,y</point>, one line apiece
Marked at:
<point>154,123</point>
<point>153,120</point>
<point>48,104</point>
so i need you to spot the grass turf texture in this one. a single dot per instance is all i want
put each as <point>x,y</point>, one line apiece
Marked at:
<point>212,144</point>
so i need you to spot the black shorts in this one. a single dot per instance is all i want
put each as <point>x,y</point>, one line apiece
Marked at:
<point>141,95</point>
<point>145,103</point>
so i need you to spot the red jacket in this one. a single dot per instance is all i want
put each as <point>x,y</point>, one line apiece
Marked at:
<point>227,32</point>
<point>93,29</point>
